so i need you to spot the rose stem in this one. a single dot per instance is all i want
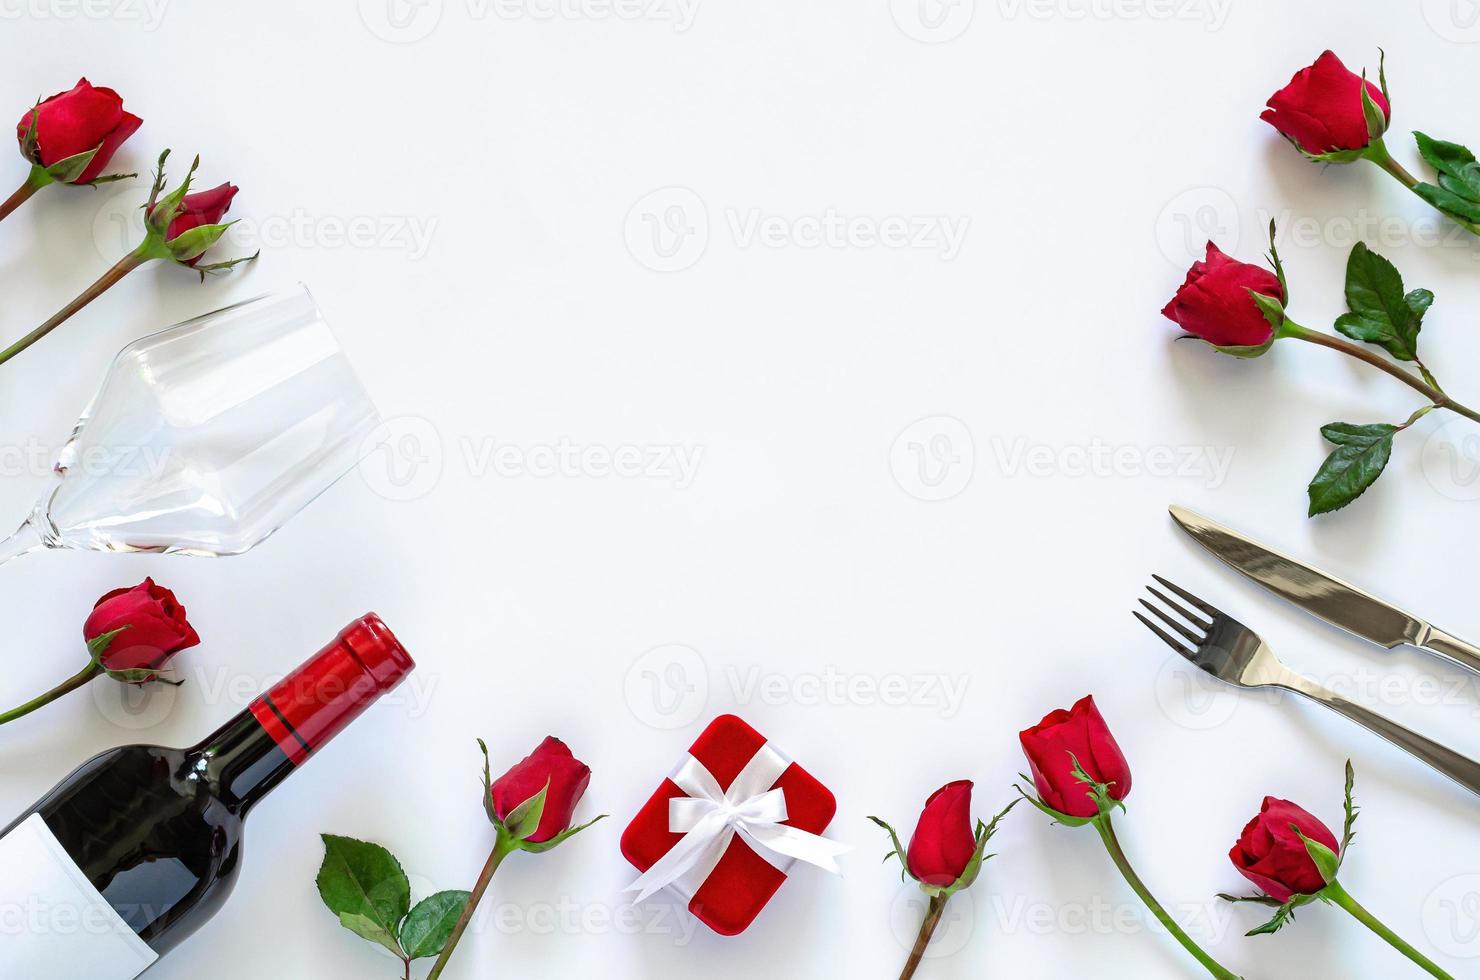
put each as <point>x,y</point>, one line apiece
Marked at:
<point>125,265</point>
<point>1339,896</point>
<point>502,848</point>
<point>927,929</point>
<point>67,686</point>
<point>1377,152</point>
<point>21,196</point>
<point>1107,834</point>
<point>1433,394</point>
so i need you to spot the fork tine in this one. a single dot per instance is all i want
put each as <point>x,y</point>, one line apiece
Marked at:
<point>1190,636</point>
<point>1210,610</point>
<point>1162,633</point>
<point>1191,617</point>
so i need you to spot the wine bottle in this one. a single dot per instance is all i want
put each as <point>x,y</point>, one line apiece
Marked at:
<point>138,847</point>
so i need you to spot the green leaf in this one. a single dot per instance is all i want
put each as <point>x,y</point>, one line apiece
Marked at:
<point>430,923</point>
<point>1361,453</point>
<point>364,885</point>
<point>1381,313</point>
<point>1458,171</point>
<point>367,928</point>
<point>1449,202</point>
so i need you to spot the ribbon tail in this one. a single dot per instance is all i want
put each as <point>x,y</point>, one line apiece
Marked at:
<point>709,836</point>
<point>795,843</point>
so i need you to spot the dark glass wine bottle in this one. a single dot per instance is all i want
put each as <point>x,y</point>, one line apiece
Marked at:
<point>138,847</point>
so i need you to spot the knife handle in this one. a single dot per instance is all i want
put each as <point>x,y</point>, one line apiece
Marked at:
<point>1452,649</point>
<point>1460,768</point>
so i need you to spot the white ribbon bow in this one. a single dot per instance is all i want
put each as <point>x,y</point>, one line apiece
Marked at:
<point>709,818</point>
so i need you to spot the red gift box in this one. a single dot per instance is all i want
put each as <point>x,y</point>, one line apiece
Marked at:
<point>743,880</point>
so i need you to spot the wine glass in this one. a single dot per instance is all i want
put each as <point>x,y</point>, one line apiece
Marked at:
<point>207,436</point>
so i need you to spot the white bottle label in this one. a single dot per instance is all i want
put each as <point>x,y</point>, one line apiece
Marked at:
<point>53,922</point>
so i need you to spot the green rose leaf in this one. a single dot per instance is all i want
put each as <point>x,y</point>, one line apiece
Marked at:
<point>1381,313</point>
<point>364,885</point>
<point>1361,453</point>
<point>1458,190</point>
<point>427,927</point>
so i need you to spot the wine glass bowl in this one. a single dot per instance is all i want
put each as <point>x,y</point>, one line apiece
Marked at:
<point>207,436</point>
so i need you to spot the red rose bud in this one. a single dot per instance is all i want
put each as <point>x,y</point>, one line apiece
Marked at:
<point>69,124</point>
<point>151,627</point>
<point>1321,112</point>
<point>196,210</point>
<point>943,842</point>
<point>1064,737</point>
<point>1214,302</point>
<point>551,763</point>
<point>1271,855</point>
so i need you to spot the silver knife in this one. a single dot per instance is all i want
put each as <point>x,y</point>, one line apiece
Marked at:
<point>1325,596</point>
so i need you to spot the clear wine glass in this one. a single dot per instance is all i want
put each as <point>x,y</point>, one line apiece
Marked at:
<point>207,436</point>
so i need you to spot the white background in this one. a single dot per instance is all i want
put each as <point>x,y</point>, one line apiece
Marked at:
<point>503,169</point>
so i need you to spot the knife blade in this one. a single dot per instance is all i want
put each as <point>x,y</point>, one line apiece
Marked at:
<point>1324,596</point>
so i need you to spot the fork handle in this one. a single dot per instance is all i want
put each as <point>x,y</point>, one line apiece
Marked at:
<point>1460,768</point>
<point>1452,649</point>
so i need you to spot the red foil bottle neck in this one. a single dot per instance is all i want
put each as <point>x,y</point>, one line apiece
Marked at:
<point>315,702</point>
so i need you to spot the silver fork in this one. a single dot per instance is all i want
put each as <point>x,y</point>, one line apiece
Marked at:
<point>1232,652</point>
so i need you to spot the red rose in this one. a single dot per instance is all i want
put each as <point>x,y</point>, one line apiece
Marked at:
<point>1271,855</point>
<point>1321,109</point>
<point>201,208</point>
<point>152,623</point>
<point>943,843</point>
<point>1214,302</point>
<point>552,763</point>
<point>74,122</point>
<point>1062,737</point>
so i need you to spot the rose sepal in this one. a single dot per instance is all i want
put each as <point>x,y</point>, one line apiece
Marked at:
<point>1273,309</point>
<point>160,213</point>
<point>1098,791</point>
